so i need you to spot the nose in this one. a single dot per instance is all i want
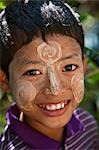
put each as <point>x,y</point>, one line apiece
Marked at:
<point>55,85</point>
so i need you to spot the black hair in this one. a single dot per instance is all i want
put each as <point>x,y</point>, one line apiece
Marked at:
<point>28,20</point>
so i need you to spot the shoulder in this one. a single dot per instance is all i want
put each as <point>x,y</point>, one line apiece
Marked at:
<point>9,140</point>
<point>88,137</point>
<point>87,119</point>
<point>90,126</point>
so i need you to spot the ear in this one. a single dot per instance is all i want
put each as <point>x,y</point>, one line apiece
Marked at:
<point>4,84</point>
<point>85,63</point>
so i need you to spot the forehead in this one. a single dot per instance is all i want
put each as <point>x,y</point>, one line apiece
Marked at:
<point>69,46</point>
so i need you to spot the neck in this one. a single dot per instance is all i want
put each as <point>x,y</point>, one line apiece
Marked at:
<point>54,133</point>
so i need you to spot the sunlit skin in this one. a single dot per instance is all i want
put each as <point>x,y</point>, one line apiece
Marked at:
<point>78,89</point>
<point>23,90</point>
<point>50,53</point>
<point>27,65</point>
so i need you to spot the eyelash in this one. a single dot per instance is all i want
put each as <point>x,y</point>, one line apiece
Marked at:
<point>35,72</point>
<point>70,67</point>
<point>32,72</point>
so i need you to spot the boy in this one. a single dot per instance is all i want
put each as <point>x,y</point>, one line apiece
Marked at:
<point>42,59</point>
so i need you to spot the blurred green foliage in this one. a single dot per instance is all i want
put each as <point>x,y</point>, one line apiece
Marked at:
<point>2,4</point>
<point>91,99</point>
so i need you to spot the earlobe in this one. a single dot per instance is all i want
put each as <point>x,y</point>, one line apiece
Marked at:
<point>4,85</point>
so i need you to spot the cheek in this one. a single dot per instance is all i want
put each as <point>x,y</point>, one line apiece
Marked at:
<point>24,93</point>
<point>77,85</point>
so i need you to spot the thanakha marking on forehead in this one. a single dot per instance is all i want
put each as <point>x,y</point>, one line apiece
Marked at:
<point>27,61</point>
<point>50,52</point>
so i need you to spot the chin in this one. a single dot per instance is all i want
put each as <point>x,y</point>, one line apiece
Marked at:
<point>57,122</point>
<point>60,120</point>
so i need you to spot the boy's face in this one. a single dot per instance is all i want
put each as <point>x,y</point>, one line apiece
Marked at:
<point>46,80</point>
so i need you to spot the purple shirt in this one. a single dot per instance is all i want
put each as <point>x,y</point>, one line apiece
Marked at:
<point>80,134</point>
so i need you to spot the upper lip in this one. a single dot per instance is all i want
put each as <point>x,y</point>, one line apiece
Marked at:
<point>49,103</point>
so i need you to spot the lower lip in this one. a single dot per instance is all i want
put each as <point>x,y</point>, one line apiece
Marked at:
<point>55,113</point>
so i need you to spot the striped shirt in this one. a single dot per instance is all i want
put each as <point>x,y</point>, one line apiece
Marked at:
<point>81,133</point>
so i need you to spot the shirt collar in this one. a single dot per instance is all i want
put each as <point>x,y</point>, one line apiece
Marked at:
<point>24,131</point>
<point>75,125</point>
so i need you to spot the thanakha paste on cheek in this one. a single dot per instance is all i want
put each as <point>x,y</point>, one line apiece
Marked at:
<point>50,53</point>
<point>24,93</point>
<point>77,85</point>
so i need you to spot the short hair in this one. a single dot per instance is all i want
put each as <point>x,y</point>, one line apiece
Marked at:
<point>23,20</point>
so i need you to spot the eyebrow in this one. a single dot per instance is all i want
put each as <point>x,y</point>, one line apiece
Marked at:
<point>70,56</point>
<point>32,62</point>
<point>27,61</point>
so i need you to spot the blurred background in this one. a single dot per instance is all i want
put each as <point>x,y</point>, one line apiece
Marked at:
<point>89,11</point>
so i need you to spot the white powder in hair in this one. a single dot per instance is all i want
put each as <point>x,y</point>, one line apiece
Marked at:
<point>76,15</point>
<point>5,26</point>
<point>4,29</point>
<point>2,13</point>
<point>51,11</point>
<point>26,1</point>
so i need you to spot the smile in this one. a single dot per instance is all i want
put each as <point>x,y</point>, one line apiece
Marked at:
<point>54,107</point>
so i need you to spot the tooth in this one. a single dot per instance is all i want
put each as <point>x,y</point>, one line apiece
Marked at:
<point>43,106</point>
<point>48,107</point>
<point>58,106</point>
<point>53,107</point>
<point>66,102</point>
<point>40,105</point>
<point>62,105</point>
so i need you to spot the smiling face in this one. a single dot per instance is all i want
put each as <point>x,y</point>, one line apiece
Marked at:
<point>46,80</point>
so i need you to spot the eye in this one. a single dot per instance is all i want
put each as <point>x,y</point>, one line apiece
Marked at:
<point>70,67</point>
<point>32,72</point>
